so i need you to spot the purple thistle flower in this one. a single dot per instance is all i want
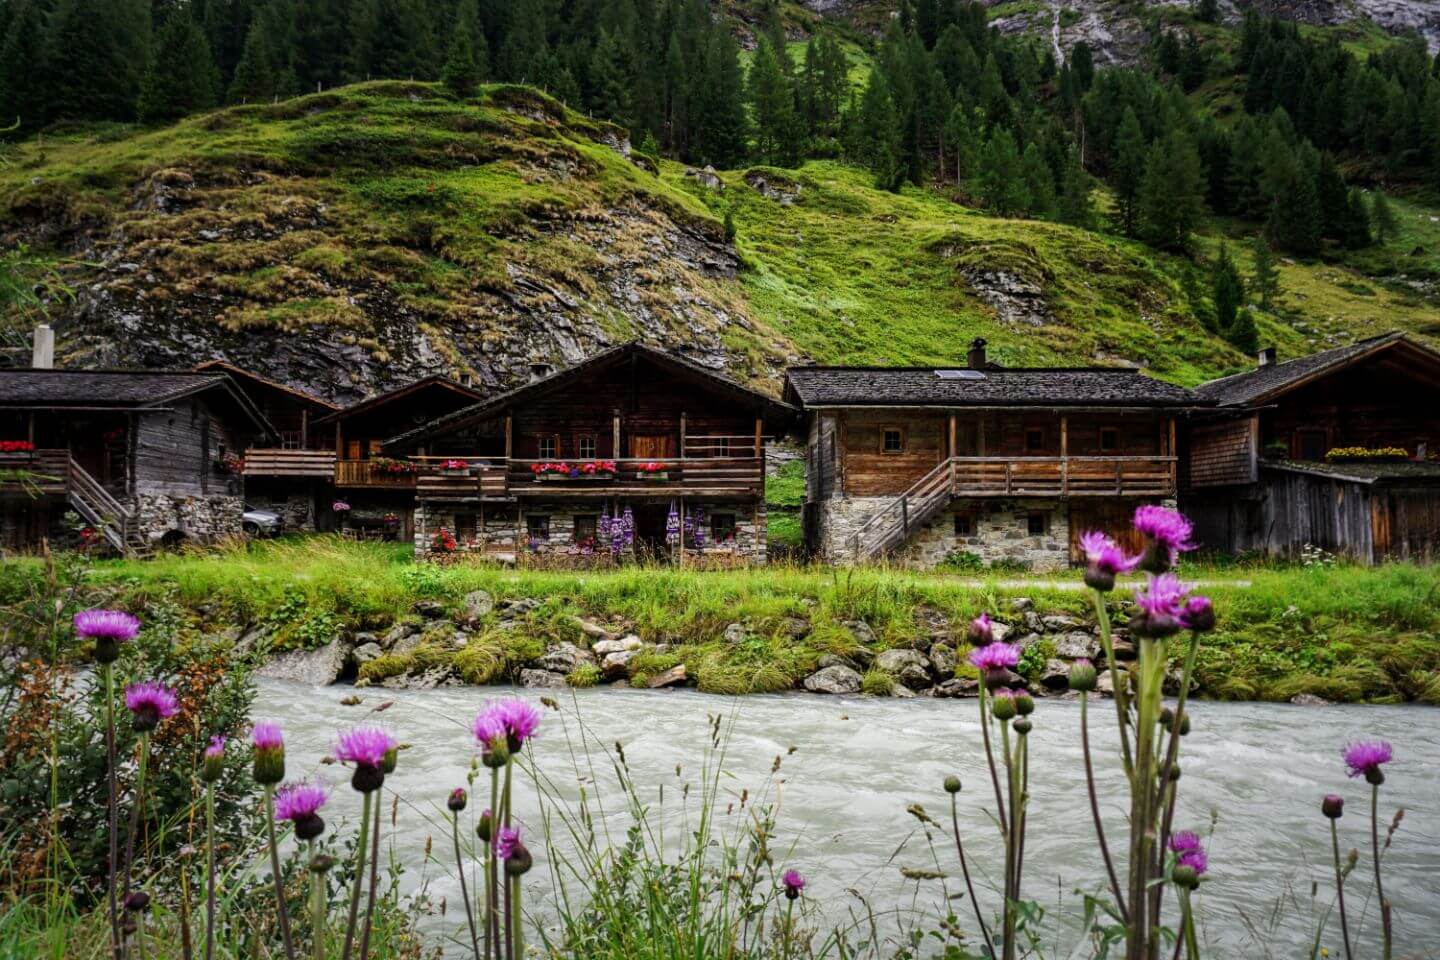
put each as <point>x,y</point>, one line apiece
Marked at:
<point>299,801</point>
<point>1195,860</point>
<point>506,841</point>
<point>149,703</point>
<point>793,883</point>
<point>1184,840</point>
<point>266,735</point>
<point>1364,759</point>
<point>1163,596</point>
<point>520,718</point>
<point>113,625</point>
<point>1198,614</point>
<point>982,631</point>
<point>365,746</point>
<point>1105,554</point>
<point>212,765</point>
<point>995,656</point>
<point>216,749</point>
<point>1169,532</point>
<point>269,753</point>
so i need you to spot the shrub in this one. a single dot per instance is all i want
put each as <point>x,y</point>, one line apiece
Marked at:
<point>584,675</point>
<point>877,682</point>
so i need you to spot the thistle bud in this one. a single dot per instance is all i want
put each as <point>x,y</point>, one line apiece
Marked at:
<point>212,766</point>
<point>137,902</point>
<point>367,778</point>
<point>1184,724</point>
<point>1374,775</point>
<point>1186,876</point>
<point>1024,704</point>
<point>321,863</point>
<point>982,632</point>
<point>1155,626</point>
<point>269,753</point>
<point>952,784</point>
<point>1173,772</point>
<point>1198,615</point>
<point>1099,578</point>
<point>1083,676</point>
<point>457,800</point>
<point>1332,806</point>
<point>391,758</point>
<point>1167,717</point>
<point>519,861</point>
<point>485,829</point>
<point>1002,707</point>
<point>496,753</point>
<point>1022,725</point>
<point>309,827</point>
<point>106,650</point>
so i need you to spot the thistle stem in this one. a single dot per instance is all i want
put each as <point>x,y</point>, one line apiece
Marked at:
<point>137,812</point>
<point>359,873</point>
<point>279,878</point>
<point>1340,886</point>
<point>1187,926</point>
<point>464,890</point>
<point>209,871</point>
<point>1375,850</point>
<point>317,906</point>
<point>509,917</point>
<point>374,881</point>
<point>1095,807</point>
<point>517,919</point>
<point>990,758</point>
<point>116,947</point>
<point>1008,929</point>
<point>492,891</point>
<point>965,870</point>
<point>789,914</point>
<point>1122,700</point>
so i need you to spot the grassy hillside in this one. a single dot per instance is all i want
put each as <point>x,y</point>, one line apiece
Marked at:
<point>478,227</point>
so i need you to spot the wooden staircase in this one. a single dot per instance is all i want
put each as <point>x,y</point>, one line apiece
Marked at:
<point>891,525</point>
<point>116,523</point>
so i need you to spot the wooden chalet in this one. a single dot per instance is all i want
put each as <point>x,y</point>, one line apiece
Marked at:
<point>341,456</point>
<point>671,452</point>
<point>1007,464</point>
<point>1291,454</point>
<point>143,457</point>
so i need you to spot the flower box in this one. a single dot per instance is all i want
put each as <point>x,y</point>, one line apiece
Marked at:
<point>653,475</point>
<point>13,450</point>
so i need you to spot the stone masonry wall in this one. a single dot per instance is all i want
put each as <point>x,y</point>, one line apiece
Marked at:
<point>195,518</point>
<point>297,510</point>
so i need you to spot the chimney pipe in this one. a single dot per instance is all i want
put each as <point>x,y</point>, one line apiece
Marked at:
<point>43,355</point>
<point>1266,357</point>
<point>976,355</point>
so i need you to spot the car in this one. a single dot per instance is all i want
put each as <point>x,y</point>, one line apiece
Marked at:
<point>261,523</point>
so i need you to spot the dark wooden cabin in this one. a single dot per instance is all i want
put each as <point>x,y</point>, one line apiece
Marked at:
<point>1290,456</point>
<point>146,456</point>
<point>632,431</point>
<point>1007,464</point>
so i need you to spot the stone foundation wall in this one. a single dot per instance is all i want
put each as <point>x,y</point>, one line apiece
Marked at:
<point>195,518</point>
<point>999,532</point>
<point>503,531</point>
<point>296,509</point>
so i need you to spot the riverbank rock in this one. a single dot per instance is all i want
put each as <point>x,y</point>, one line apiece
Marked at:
<point>317,667</point>
<point>564,657</point>
<point>956,687</point>
<point>366,652</point>
<point>1056,675</point>
<point>836,679</point>
<point>861,631</point>
<point>734,633</point>
<point>594,631</point>
<point>834,660</point>
<point>429,609</point>
<point>617,664</point>
<point>1076,644</point>
<point>1309,700</point>
<point>626,644</point>
<point>675,676</point>
<point>942,661</point>
<point>541,679</point>
<point>478,603</point>
<point>910,667</point>
<point>399,631</point>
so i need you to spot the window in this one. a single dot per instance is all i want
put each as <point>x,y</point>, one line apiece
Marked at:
<point>721,447</point>
<point>1109,439</point>
<point>722,527</point>
<point>585,529</point>
<point>585,447</point>
<point>964,525</point>
<point>547,448</point>
<point>892,440</point>
<point>1034,439</point>
<point>1035,524</point>
<point>537,528</point>
<point>465,527</point>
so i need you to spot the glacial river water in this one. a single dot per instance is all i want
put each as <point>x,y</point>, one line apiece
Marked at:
<point>1257,770</point>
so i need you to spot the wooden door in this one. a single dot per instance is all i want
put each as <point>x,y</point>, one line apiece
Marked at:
<point>652,446</point>
<point>1110,517</point>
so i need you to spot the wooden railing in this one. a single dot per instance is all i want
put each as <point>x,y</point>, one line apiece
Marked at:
<point>371,473</point>
<point>482,477</point>
<point>38,473</point>
<point>277,462</point>
<point>637,474</point>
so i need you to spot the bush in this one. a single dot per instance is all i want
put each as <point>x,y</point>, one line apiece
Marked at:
<point>877,682</point>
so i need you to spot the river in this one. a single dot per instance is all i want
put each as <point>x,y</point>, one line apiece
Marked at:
<point>1259,769</point>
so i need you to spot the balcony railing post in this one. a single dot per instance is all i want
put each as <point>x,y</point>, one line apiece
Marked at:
<point>905,513</point>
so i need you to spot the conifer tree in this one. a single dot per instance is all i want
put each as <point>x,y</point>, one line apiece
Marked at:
<point>1295,221</point>
<point>462,72</point>
<point>254,82</point>
<point>876,135</point>
<point>1002,186</point>
<point>1264,275</point>
<point>1383,218</point>
<point>23,93</point>
<point>96,58</point>
<point>1227,289</point>
<point>961,136</point>
<point>1039,182</point>
<point>1128,170</point>
<point>772,104</point>
<point>1172,192</point>
<point>1075,205</point>
<point>1082,66</point>
<point>181,77</point>
<point>1242,333</point>
<point>1356,233</point>
<point>1207,11</point>
<point>611,83</point>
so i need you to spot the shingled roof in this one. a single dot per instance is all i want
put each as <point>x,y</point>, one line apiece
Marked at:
<point>990,387</point>
<point>116,390</point>
<point>1263,383</point>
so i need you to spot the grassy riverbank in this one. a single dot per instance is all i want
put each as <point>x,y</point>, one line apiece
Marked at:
<point>1343,633</point>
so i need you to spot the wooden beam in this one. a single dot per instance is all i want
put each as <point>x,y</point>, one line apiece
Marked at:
<point>952,435</point>
<point>509,436</point>
<point>1064,455</point>
<point>682,436</point>
<point>616,452</point>
<point>304,429</point>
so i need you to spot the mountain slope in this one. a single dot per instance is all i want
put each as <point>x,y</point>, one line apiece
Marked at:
<point>353,240</point>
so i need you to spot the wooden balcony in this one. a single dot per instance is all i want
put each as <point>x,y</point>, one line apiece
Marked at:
<point>276,462</point>
<point>373,473</point>
<point>37,473</point>
<point>1062,476</point>
<point>480,479</point>
<point>640,477</point>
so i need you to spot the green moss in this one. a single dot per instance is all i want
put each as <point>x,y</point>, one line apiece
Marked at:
<point>877,682</point>
<point>385,667</point>
<point>482,661</point>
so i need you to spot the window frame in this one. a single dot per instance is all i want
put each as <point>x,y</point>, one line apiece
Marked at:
<point>1030,519</point>
<point>1039,446</point>
<point>885,436</point>
<point>540,520</point>
<point>584,439</point>
<point>544,438</point>
<point>1100,439</point>
<point>590,520</point>
<point>968,519</point>
<point>715,536</point>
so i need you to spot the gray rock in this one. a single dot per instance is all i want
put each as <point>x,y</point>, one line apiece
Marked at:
<point>1000,630</point>
<point>864,656</point>
<point>397,633</point>
<point>593,630</point>
<point>1032,621</point>
<point>942,659</point>
<point>407,644</point>
<point>956,687</point>
<point>518,608</point>
<point>1104,685</point>
<point>1309,700</point>
<point>735,633</point>
<point>364,637</point>
<point>438,676</point>
<point>861,631</point>
<point>1055,675</point>
<point>316,667</point>
<point>1076,644</point>
<point>833,660</point>
<point>836,679</point>
<point>1059,622</point>
<point>893,661</point>
<point>564,657</point>
<point>901,691</point>
<point>1022,605</point>
<point>367,652</point>
<point>603,648</point>
<point>478,603</point>
<point>796,628</point>
<point>542,679</point>
<point>672,677</point>
<point>617,664</point>
<point>429,609</point>
<point>1029,640</point>
<point>253,638</point>
<point>631,642</point>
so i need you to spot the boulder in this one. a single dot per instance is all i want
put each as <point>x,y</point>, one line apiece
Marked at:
<point>438,676</point>
<point>408,644</point>
<point>1055,675</point>
<point>397,633</point>
<point>1309,700</point>
<point>429,609</point>
<point>675,675</point>
<point>564,657</point>
<point>796,628</point>
<point>478,603</point>
<point>316,667</point>
<point>617,664</point>
<point>1029,640</point>
<point>1076,644</point>
<point>367,652</point>
<point>836,679</point>
<point>542,679</point>
<point>1022,605</point>
<point>956,687</point>
<point>1059,623</point>
<point>593,630</point>
<point>1000,630</point>
<point>518,608</point>
<point>910,667</point>
<point>1032,621</point>
<point>833,660</point>
<point>1104,685</point>
<point>1123,646</point>
<point>861,631</point>
<point>735,633</point>
<point>603,648</point>
<point>942,660</point>
<point>902,691</point>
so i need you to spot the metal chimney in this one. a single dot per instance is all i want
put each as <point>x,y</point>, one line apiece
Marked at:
<point>1266,357</point>
<point>43,355</point>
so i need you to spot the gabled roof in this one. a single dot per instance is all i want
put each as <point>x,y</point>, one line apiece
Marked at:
<point>240,373</point>
<point>1425,472</point>
<point>599,361</point>
<point>1266,383</point>
<point>990,387</point>
<point>400,393</point>
<point>117,390</point>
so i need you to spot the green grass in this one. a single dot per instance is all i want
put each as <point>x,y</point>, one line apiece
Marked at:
<point>1348,633</point>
